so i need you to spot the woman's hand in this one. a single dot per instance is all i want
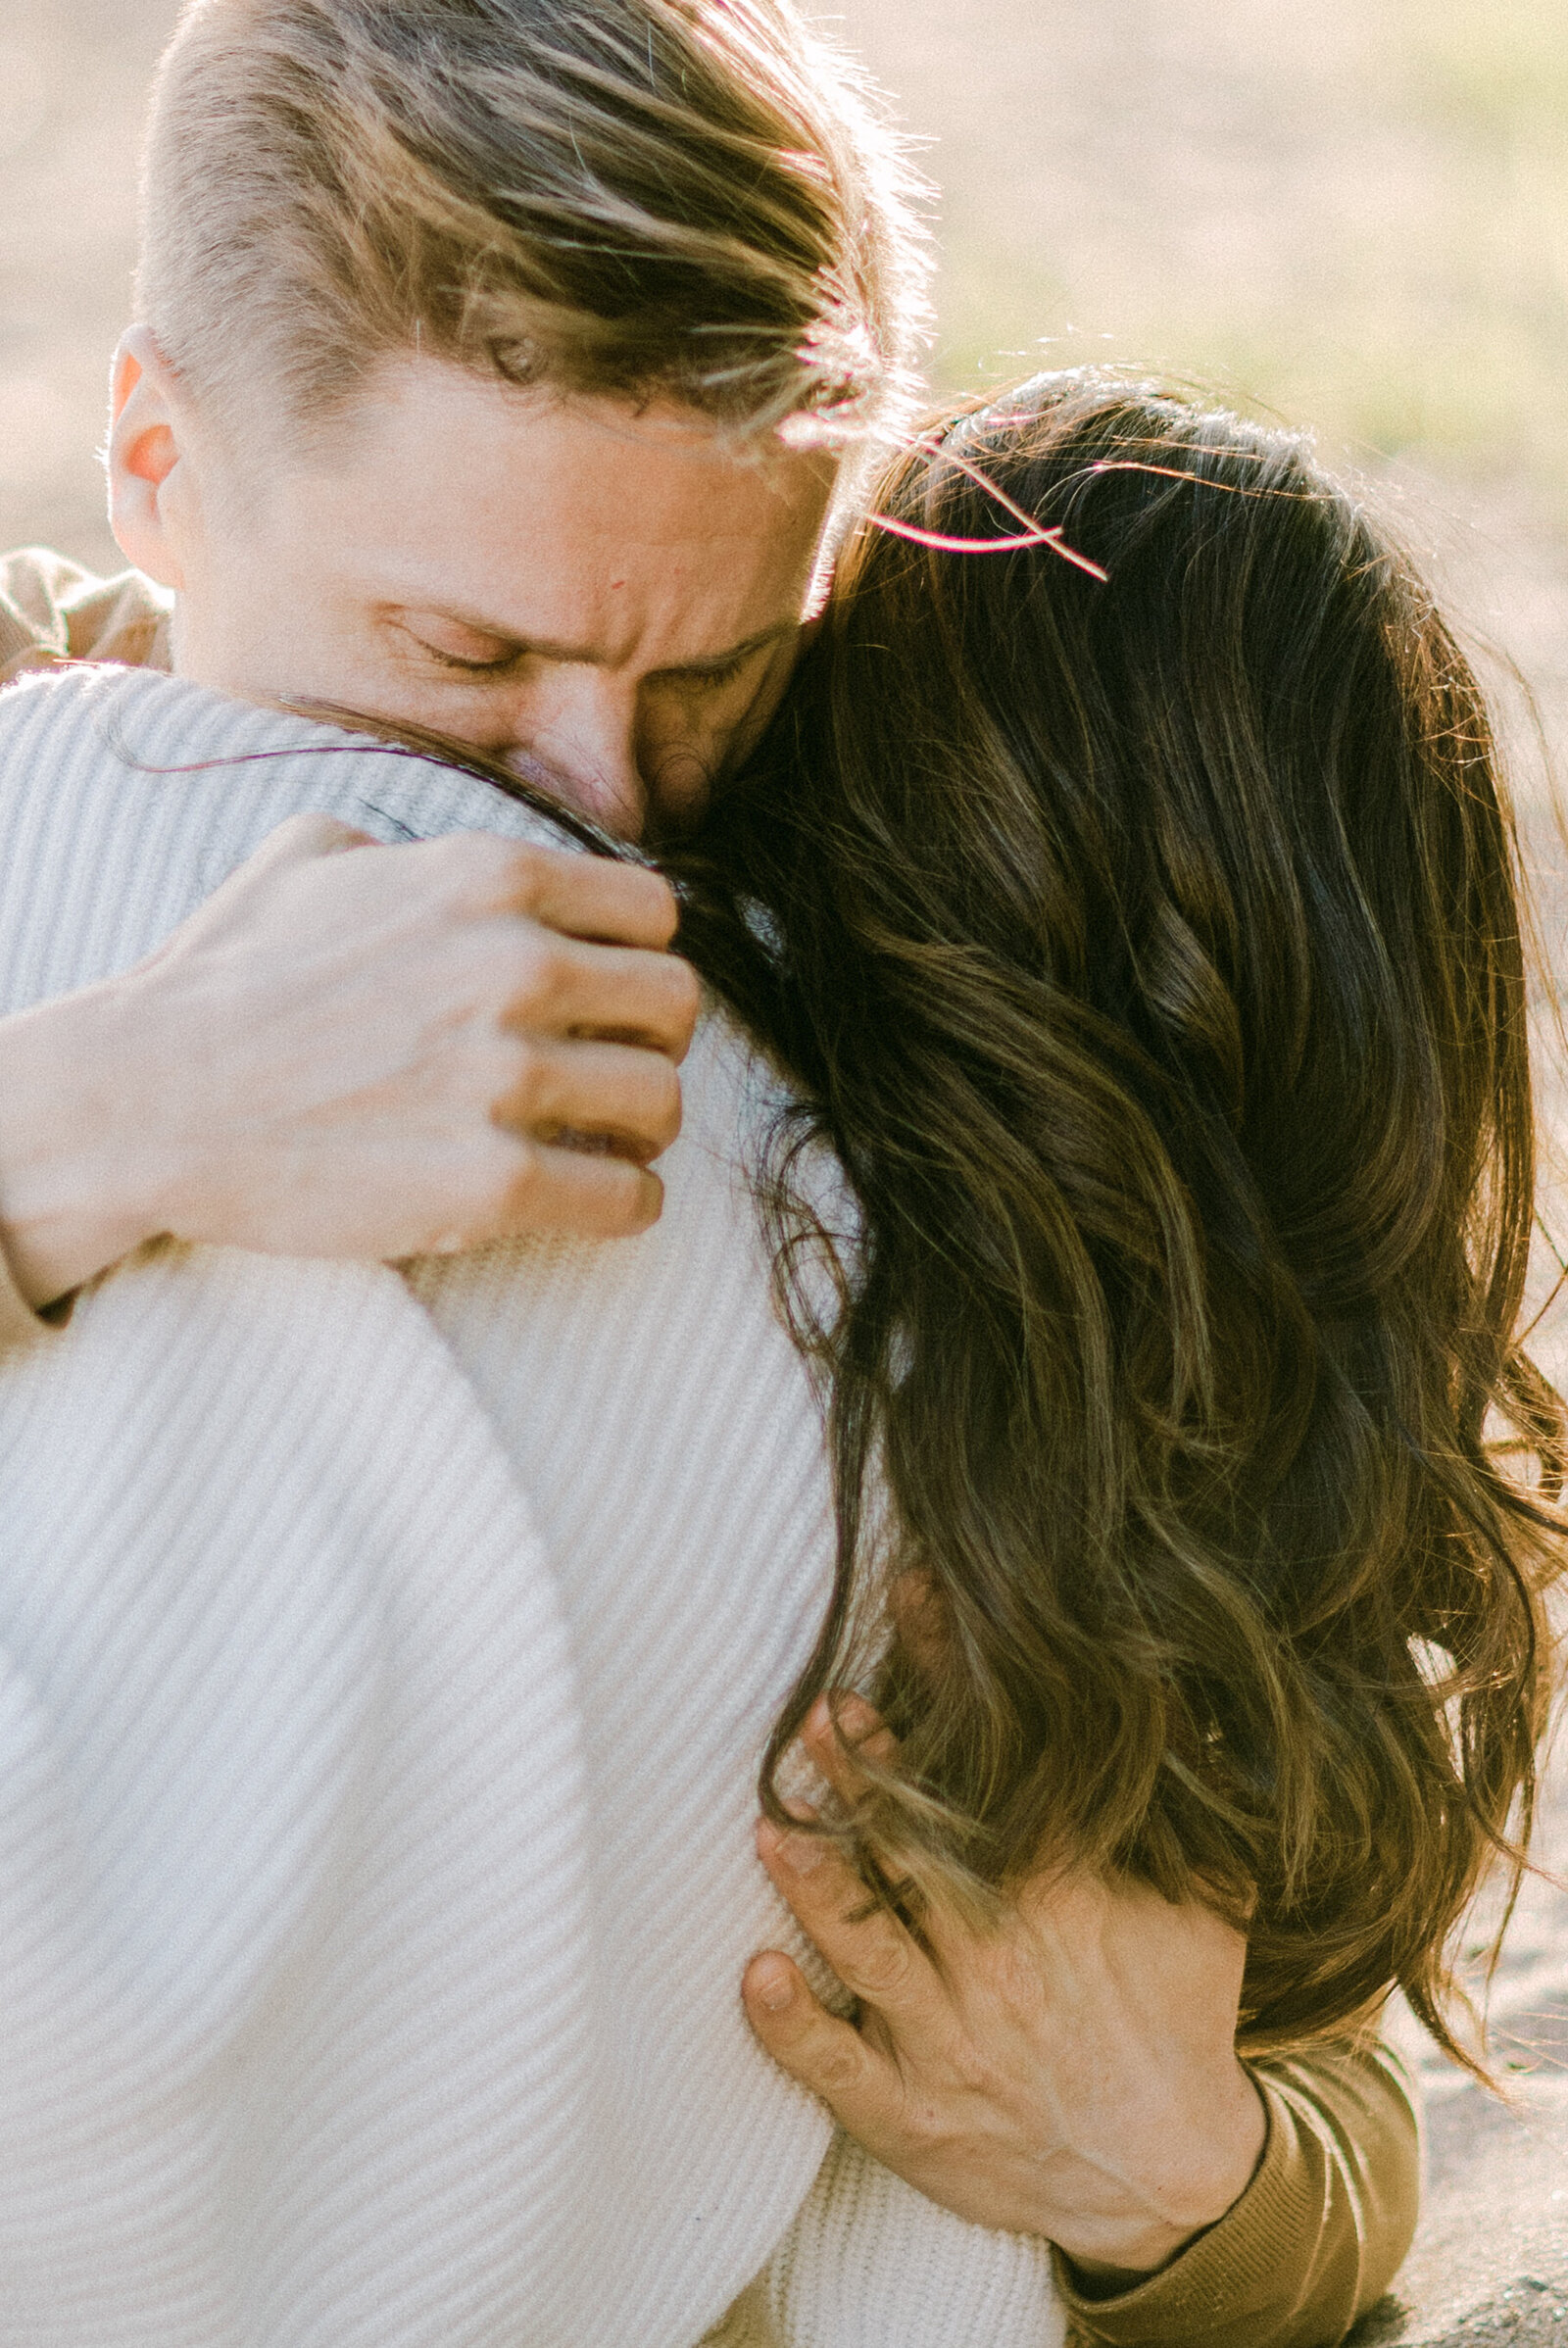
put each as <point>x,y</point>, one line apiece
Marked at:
<point>378,1053</point>
<point>1072,2074</point>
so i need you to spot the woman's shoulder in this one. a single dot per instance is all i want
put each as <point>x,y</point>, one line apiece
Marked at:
<point>85,731</point>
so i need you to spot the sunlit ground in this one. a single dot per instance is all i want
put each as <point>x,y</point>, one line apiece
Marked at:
<point>1353,215</point>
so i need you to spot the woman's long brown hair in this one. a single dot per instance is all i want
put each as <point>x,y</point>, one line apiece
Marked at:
<point>1149,950</point>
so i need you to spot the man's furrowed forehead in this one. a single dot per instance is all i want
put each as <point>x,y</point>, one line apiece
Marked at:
<point>615,533</point>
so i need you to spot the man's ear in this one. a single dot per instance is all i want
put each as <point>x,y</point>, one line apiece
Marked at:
<point>152,504</point>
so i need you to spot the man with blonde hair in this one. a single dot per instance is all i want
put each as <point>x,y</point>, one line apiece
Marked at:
<point>370,231</point>
<point>507,368</point>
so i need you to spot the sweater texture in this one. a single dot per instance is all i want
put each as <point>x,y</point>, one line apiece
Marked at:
<point>1327,2217</point>
<point>384,1667</point>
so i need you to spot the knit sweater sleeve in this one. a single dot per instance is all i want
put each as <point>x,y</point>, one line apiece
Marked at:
<point>868,2260</point>
<point>1315,2239</point>
<point>51,611</point>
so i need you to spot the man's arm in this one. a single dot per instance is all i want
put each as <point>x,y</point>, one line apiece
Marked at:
<point>388,1051</point>
<point>373,1056</point>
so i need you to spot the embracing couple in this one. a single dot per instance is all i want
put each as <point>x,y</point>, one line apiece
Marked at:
<point>1036,882</point>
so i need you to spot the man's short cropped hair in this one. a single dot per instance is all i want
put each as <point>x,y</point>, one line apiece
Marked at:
<point>686,199</point>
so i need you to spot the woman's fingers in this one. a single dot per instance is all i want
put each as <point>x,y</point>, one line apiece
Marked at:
<point>875,1958</point>
<point>860,2085</point>
<point>920,1618</point>
<point>309,835</point>
<point>839,1733</point>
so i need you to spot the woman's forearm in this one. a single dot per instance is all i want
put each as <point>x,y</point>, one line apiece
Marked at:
<point>1314,2241</point>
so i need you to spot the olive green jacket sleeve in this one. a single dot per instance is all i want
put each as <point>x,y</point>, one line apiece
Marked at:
<point>1314,2241</point>
<point>53,610</point>
<point>19,1325</point>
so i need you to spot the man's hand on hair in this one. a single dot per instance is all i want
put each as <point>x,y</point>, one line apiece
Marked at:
<point>380,1054</point>
<point>1070,2071</point>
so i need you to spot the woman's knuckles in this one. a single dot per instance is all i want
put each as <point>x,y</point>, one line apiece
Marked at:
<point>836,2065</point>
<point>882,1969</point>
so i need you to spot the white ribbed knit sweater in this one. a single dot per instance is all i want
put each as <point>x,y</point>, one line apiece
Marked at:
<point>384,1666</point>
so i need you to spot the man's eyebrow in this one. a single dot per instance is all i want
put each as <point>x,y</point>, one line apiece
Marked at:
<point>712,661</point>
<point>545,648</point>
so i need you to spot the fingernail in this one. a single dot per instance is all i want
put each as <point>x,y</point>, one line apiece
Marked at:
<point>801,1852</point>
<point>857,1720</point>
<point>773,1985</point>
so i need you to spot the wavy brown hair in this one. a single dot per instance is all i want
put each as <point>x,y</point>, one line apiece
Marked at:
<point>1148,948</point>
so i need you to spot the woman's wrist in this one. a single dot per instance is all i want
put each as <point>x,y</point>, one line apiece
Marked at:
<point>1142,2257</point>
<point>73,1141</point>
<point>1218,2160</point>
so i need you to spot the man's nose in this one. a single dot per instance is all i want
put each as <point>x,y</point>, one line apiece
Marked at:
<point>575,734</point>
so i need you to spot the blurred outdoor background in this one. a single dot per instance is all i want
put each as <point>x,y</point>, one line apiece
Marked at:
<point>1353,215</point>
